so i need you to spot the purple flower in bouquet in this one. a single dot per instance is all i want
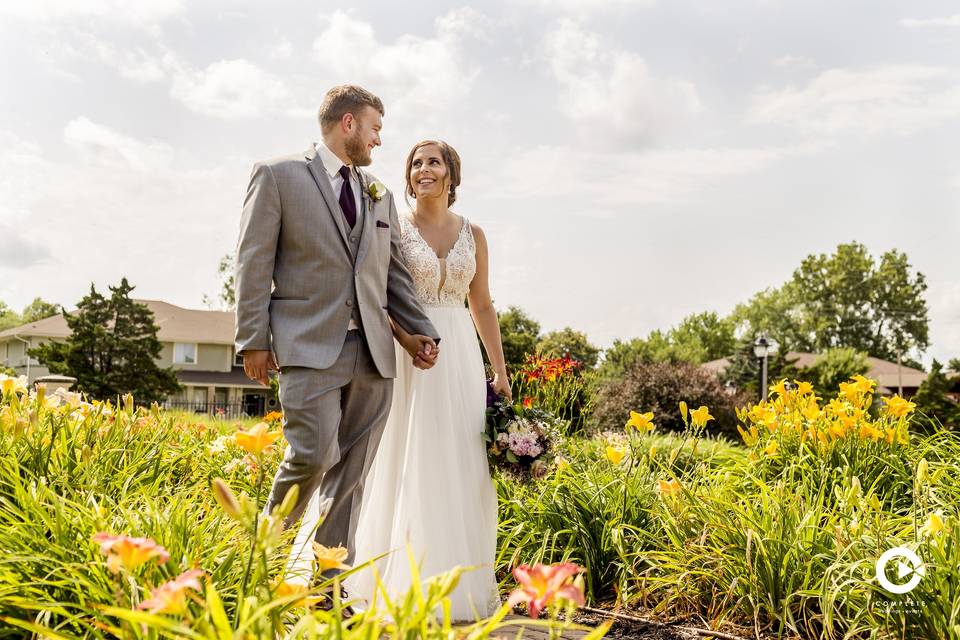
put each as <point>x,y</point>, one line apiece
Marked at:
<point>492,396</point>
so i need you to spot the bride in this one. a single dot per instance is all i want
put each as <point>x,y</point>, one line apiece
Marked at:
<point>429,486</point>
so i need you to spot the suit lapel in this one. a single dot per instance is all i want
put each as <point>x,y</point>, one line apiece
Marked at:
<point>367,231</point>
<point>321,177</point>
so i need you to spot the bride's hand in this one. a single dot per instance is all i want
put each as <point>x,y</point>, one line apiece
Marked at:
<point>501,384</point>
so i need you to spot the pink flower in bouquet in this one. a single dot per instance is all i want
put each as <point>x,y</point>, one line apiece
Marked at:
<point>542,584</point>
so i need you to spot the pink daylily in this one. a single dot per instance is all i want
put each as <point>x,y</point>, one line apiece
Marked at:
<point>124,551</point>
<point>542,584</point>
<point>171,596</point>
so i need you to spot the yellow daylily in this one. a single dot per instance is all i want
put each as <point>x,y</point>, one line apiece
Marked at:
<point>642,422</point>
<point>772,448</point>
<point>897,407</point>
<point>615,454</point>
<point>749,437</point>
<point>803,388</point>
<point>863,385</point>
<point>683,410</point>
<point>934,524</point>
<point>257,439</point>
<point>12,384</point>
<point>329,557</point>
<point>701,416</point>
<point>780,388</point>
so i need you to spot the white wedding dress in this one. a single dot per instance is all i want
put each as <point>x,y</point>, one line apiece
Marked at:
<point>429,485</point>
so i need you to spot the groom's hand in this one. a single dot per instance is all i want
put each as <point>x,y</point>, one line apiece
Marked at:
<point>257,363</point>
<point>426,353</point>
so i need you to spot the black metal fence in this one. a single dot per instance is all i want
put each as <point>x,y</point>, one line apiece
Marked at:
<point>227,410</point>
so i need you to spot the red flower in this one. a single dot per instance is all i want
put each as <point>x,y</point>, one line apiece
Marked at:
<point>527,402</point>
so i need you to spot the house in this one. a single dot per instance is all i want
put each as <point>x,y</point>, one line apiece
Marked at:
<point>197,344</point>
<point>889,376</point>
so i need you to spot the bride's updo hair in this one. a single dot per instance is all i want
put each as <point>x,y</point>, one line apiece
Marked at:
<point>450,158</point>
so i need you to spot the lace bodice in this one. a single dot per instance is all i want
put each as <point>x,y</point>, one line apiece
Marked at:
<point>439,281</point>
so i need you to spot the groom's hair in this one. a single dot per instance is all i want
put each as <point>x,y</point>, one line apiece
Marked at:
<point>342,99</point>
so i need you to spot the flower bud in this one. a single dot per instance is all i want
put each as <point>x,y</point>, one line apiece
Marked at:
<point>225,497</point>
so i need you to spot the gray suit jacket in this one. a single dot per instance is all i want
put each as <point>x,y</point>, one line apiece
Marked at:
<point>297,281</point>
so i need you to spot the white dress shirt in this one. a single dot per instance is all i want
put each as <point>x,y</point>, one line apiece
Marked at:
<point>332,163</point>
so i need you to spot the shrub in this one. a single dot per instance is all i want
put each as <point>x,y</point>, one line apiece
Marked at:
<point>659,387</point>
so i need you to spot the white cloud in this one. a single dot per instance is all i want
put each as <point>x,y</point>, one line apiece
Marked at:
<point>140,12</point>
<point>591,5</point>
<point>949,21</point>
<point>113,205</point>
<point>17,249</point>
<point>230,89</point>
<point>281,50</point>
<point>100,145</point>
<point>608,180</point>
<point>799,62</point>
<point>611,94</point>
<point>415,76</point>
<point>898,99</point>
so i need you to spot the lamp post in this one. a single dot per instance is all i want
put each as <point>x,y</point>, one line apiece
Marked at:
<point>761,349</point>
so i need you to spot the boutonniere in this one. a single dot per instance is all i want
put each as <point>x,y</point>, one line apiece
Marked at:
<point>376,191</point>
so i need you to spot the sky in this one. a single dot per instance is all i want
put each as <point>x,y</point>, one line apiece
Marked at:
<point>631,161</point>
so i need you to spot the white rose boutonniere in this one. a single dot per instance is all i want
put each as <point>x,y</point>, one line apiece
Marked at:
<point>376,191</point>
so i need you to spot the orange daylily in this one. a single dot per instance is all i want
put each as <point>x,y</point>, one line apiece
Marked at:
<point>127,552</point>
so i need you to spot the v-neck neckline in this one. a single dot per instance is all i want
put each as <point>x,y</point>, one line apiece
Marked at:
<point>456,243</point>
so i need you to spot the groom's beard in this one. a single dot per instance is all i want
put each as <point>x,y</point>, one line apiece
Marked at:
<point>357,151</point>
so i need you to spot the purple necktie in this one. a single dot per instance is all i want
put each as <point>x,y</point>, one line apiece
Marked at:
<point>347,203</point>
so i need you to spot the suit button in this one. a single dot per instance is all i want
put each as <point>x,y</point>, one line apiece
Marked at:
<point>349,303</point>
<point>353,239</point>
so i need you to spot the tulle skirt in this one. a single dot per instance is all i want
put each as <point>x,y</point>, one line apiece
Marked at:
<point>429,488</point>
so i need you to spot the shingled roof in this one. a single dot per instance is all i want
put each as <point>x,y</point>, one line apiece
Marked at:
<point>176,324</point>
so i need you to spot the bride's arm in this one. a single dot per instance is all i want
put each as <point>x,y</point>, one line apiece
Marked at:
<point>485,316</point>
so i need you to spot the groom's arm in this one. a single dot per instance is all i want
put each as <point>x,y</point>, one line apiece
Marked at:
<point>256,253</point>
<point>402,302</point>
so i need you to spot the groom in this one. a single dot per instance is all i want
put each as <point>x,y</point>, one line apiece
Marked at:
<point>318,272</point>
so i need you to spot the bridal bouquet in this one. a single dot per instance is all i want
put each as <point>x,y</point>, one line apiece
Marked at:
<point>519,438</point>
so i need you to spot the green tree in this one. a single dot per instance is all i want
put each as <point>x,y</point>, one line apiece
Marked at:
<point>519,334</point>
<point>38,310</point>
<point>112,349</point>
<point>699,338</point>
<point>567,342</point>
<point>832,367</point>
<point>776,313</point>
<point>932,399</point>
<point>8,317</point>
<point>226,272</point>
<point>702,337</point>
<point>846,299</point>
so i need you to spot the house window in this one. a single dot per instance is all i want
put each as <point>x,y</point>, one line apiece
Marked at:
<point>184,353</point>
<point>237,360</point>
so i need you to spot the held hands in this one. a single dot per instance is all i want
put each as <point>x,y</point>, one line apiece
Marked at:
<point>257,363</point>
<point>423,350</point>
